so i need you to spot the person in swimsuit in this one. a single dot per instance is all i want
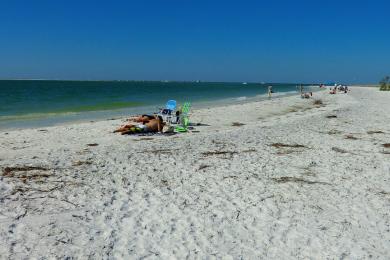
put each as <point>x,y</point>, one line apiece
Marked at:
<point>270,91</point>
<point>141,118</point>
<point>152,126</point>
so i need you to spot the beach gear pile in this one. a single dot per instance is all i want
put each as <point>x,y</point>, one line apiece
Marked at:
<point>167,112</point>
<point>168,120</point>
<point>177,120</point>
<point>171,119</point>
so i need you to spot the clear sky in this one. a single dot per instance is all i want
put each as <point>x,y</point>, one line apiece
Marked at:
<point>271,41</point>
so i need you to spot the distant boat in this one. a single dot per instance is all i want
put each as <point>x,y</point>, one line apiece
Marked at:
<point>244,83</point>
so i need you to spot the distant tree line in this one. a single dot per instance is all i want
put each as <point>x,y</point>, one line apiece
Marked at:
<point>385,84</point>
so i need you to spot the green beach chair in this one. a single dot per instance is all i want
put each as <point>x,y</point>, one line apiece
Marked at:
<point>185,122</point>
<point>184,119</point>
<point>186,109</point>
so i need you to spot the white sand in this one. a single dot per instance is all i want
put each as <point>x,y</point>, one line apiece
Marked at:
<point>171,197</point>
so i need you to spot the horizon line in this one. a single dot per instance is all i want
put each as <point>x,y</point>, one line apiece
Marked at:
<point>167,81</point>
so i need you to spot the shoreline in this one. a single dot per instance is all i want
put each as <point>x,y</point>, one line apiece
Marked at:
<point>43,120</point>
<point>291,179</point>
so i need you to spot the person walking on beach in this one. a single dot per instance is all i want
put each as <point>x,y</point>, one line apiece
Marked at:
<point>269,91</point>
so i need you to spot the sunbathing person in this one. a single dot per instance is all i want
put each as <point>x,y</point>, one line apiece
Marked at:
<point>141,118</point>
<point>152,126</point>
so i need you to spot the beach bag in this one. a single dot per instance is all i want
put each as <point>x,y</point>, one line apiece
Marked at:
<point>168,129</point>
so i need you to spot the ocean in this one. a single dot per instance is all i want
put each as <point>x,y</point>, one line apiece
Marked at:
<point>35,103</point>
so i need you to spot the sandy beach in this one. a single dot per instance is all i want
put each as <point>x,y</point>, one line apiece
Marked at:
<point>276,179</point>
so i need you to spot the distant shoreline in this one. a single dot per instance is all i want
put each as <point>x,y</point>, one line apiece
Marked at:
<point>161,81</point>
<point>52,119</point>
<point>29,102</point>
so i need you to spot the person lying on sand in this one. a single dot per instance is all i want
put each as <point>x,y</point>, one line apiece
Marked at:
<point>153,126</point>
<point>141,118</point>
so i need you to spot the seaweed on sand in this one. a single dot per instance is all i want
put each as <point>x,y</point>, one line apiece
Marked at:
<point>282,145</point>
<point>286,179</point>
<point>375,132</point>
<point>158,151</point>
<point>78,163</point>
<point>7,171</point>
<point>334,132</point>
<point>339,150</point>
<point>284,148</point>
<point>211,153</point>
<point>20,172</point>
<point>203,166</point>
<point>351,137</point>
<point>237,124</point>
<point>144,139</point>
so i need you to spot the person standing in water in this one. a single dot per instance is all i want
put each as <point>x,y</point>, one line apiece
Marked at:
<point>269,91</point>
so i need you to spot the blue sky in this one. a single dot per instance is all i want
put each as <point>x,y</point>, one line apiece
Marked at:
<point>271,41</point>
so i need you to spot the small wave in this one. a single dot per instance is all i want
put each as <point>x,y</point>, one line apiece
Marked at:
<point>278,94</point>
<point>283,93</point>
<point>101,107</point>
<point>241,98</point>
<point>32,116</point>
<point>69,111</point>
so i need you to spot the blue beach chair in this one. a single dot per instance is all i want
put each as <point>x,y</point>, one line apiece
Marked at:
<point>166,113</point>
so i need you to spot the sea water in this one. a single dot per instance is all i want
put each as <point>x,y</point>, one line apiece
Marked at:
<point>30,103</point>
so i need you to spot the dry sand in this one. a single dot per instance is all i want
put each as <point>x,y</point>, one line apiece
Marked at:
<point>288,180</point>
